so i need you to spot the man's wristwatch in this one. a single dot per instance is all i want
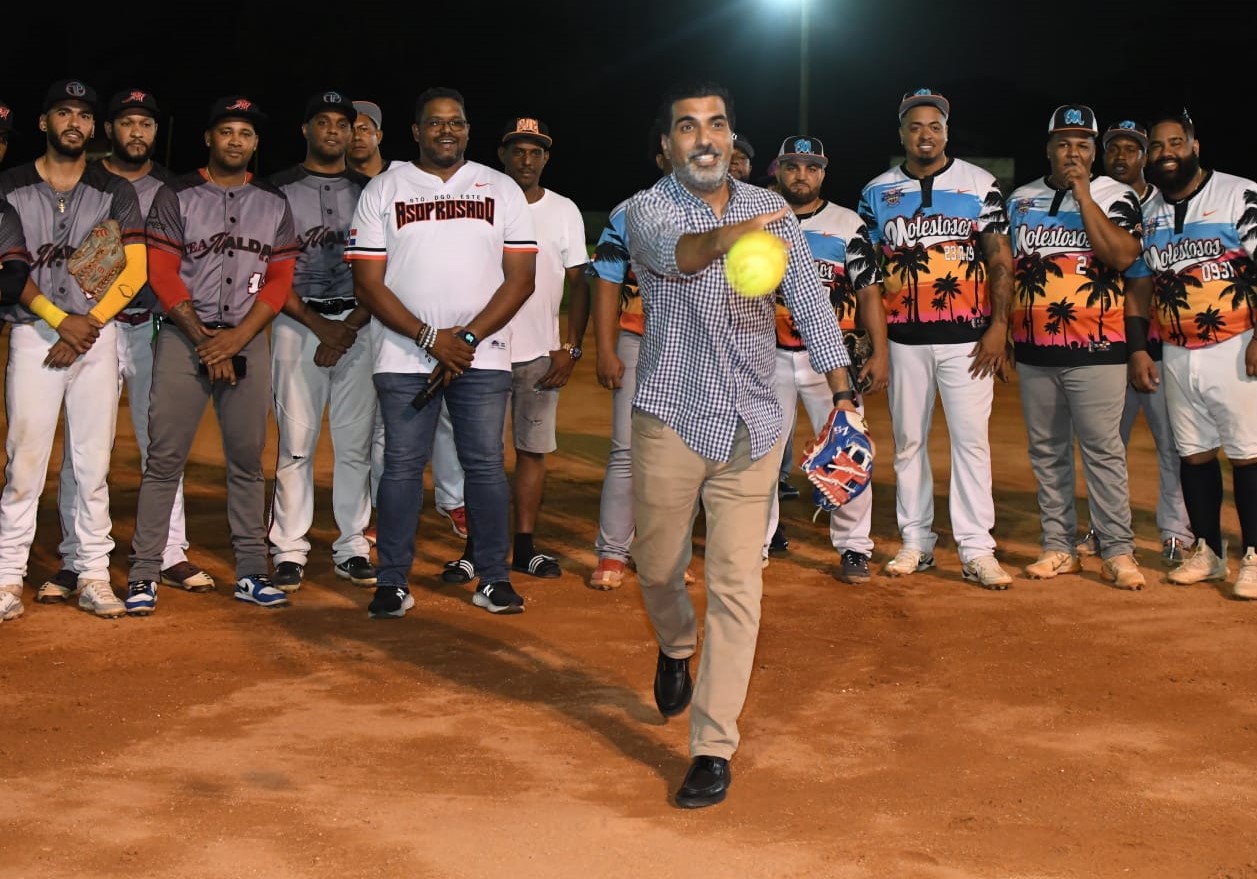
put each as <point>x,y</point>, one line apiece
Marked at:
<point>847,395</point>
<point>572,351</point>
<point>469,337</point>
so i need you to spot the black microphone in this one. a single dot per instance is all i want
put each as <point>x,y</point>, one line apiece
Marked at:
<point>436,381</point>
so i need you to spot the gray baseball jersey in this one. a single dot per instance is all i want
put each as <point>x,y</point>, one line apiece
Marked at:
<point>12,248</point>
<point>322,211</point>
<point>226,238</point>
<point>55,224</point>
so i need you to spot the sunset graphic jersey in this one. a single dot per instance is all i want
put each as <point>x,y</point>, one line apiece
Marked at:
<point>1199,252</point>
<point>928,232</point>
<point>845,262</point>
<point>1067,305</point>
<point>611,263</point>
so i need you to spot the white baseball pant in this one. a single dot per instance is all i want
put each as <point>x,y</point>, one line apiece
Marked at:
<point>303,391</point>
<point>850,524</point>
<point>34,396</point>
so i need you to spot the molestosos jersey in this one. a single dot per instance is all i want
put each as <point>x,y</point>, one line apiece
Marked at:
<point>845,262</point>
<point>444,241</point>
<point>560,246</point>
<point>226,237</point>
<point>611,263</point>
<point>928,230</point>
<point>145,190</point>
<point>1067,304</point>
<point>55,224</point>
<point>1200,253</point>
<point>322,212</point>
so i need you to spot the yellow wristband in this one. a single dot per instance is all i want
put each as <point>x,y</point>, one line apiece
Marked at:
<point>42,306</point>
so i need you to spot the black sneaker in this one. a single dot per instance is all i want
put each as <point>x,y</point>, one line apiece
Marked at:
<point>288,576</point>
<point>855,567</point>
<point>390,602</point>
<point>779,543</point>
<point>498,597</point>
<point>786,491</point>
<point>459,571</point>
<point>357,570</point>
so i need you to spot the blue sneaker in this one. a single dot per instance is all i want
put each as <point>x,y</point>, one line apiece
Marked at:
<point>141,597</point>
<point>258,589</point>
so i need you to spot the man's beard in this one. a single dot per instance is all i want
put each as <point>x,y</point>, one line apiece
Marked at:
<point>701,179</point>
<point>797,198</point>
<point>124,156</point>
<point>70,152</point>
<point>1176,180</point>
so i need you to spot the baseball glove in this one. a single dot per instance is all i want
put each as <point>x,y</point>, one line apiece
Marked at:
<point>860,349</point>
<point>99,259</point>
<point>839,462</point>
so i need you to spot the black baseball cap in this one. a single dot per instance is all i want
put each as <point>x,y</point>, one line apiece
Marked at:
<point>69,90</point>
<point>527,128</point>
<point>131,99</point>
<point>334,101</point>
<point>1073,119</point>
<point>1127,128</point>
<point>6,117</point>
<point>741,143</point>
<point>924,97</point>
<point>236,107</point>
<point>802,148</point>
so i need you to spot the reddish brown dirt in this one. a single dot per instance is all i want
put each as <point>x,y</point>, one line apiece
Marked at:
<point>909,728</point>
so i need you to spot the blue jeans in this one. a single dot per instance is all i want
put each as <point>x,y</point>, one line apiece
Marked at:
<point>477,405</point>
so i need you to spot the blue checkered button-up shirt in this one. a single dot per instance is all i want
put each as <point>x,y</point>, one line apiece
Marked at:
<point>707,358</point>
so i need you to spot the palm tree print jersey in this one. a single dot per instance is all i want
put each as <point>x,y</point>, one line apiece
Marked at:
<point>611,263</point>
<point>844,261</point>
<point>1199,252</point>
<point>1067,305</point>
<point>928,232</point>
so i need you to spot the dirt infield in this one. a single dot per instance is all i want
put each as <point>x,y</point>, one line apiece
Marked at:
<point>908,728</point>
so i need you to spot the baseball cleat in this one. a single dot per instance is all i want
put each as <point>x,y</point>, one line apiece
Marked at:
<point>258,589</point>
<point>186,575</point>
<point>58,588</point>
<point>1051,563</point>
<point>288,576</point>
<point>1201,565</point>
<point>1246,579</point>
<point>1123,571</point>
<point>11,601</point>
<point>987,573</point>
<point>357,570</point>
<point>96,596</point>
<point>608,575</point>
<point>855,567</point>
<point>909,561</point>
<point>141,598</point>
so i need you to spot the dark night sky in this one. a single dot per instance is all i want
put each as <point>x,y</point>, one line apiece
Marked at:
<point>594,72</point>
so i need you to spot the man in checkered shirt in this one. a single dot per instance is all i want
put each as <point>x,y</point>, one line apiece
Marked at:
<point>706,418</point>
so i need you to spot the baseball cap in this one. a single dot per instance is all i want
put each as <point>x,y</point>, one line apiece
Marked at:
<point>371,110</point>
<point>69,90</point>
<point>801,148</point>
<point>741,143</point>
<point>236,107</point>
<point>6,117</point>
<point>131,99</point>
<point>1127,128</point>
<point>330,100</point>
<point>1077,118</point>
<point>527,128</point>
<point>924,97</point>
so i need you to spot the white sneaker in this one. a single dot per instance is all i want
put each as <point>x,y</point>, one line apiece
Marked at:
<point>1246,579</point>
<point>987,573</point>
<point>908,561</point>
<point>1052,562</point>
<point>1123,571</point>
<point>1200,565</point>
<point>96,596</point>
<point>11,601</point>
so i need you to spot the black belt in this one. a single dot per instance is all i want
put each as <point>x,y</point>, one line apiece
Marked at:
<point>331,307</point>
<point>133,318</point>
<point>217,325</point>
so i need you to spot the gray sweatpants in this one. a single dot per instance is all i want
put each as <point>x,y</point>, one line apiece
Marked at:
<point>176,404</point>
<point>1060,403</point>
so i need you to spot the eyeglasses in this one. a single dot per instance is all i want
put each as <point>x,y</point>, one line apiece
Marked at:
<point>435,125</point>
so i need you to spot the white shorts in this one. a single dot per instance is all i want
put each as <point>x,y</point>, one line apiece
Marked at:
<point>1211,399</point>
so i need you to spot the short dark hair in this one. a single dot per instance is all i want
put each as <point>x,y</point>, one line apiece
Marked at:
<point>1179,117</point>
<point>655,146</point>
<point>693,89</point>
<point>433,94</point>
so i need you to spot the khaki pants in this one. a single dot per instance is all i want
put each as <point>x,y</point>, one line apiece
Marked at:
<point>669,479</point>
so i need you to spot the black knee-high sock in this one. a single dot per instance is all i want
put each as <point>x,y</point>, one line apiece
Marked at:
<point>1202,495</point>
<point>1246,502</point>
<point>524,549</point>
